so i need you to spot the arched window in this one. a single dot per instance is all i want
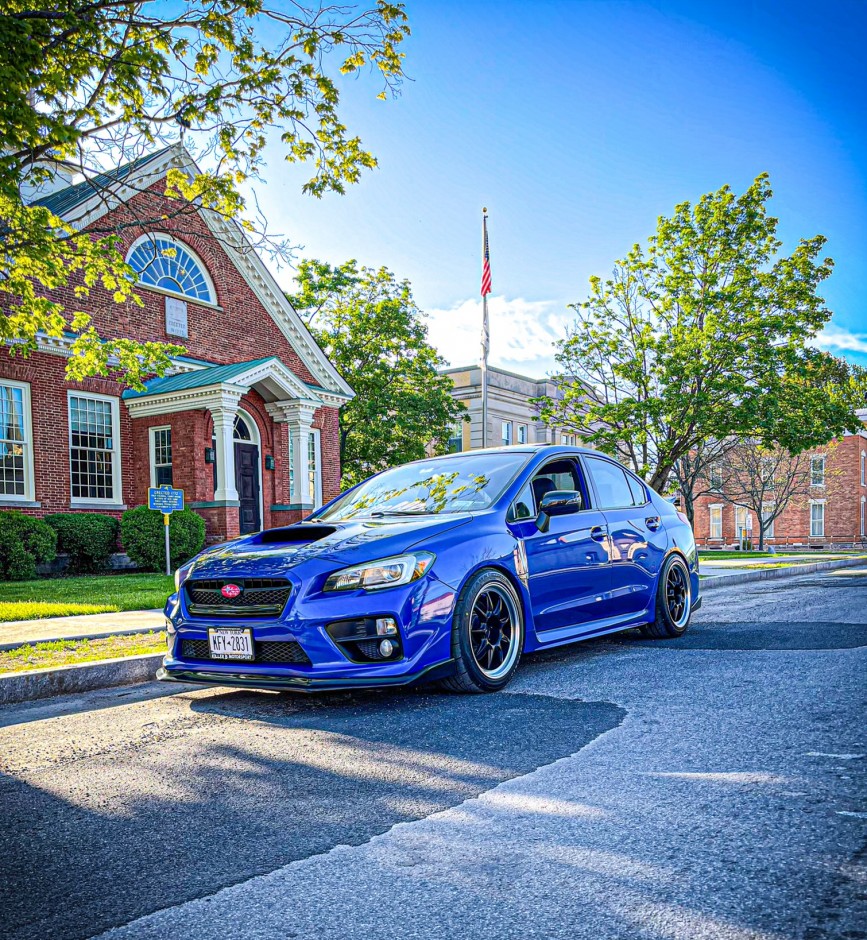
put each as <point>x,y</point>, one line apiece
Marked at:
<point>242,432</point>
<point>163,261</point>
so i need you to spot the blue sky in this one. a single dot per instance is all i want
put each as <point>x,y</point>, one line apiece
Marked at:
<point>577,124</point>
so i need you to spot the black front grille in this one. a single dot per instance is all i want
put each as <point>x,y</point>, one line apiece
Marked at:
<point>259,597</point>
<point>264,651</point>
<point>369,649</point>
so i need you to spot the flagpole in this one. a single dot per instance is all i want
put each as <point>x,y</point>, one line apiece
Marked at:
<point>485,330</point>
<point>485,380</point>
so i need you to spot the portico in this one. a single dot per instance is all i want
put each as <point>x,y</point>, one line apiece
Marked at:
<point>281,474</point>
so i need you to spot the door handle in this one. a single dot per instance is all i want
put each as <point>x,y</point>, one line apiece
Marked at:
<point>652,523</point>
<point>597,533</point>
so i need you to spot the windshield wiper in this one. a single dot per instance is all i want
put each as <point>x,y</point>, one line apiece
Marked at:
<point>400,512</point>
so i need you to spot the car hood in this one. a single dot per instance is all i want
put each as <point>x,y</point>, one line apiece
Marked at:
<point>273,552</point>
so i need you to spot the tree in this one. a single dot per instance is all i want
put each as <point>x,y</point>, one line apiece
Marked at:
<point>87,85</point>
<point>370,327</point>
<point>702,336</point>
<point>764,479</point>
<point>694,472</point>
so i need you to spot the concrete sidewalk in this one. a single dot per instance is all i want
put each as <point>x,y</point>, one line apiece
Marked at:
<point>16,632</point>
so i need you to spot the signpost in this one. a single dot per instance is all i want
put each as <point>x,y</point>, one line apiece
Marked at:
<point>166,499</point>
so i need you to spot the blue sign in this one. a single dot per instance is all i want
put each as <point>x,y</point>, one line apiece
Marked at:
<point>165,499</point>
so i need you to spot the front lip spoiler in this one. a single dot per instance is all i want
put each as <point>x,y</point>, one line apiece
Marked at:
<point>242,680</point>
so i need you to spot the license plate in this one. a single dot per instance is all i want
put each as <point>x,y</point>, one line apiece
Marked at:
<point>231,644</point>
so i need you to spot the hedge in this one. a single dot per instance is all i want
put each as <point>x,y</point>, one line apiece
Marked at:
<point>25,542</point>
<point>89,538</point>
<point>143,537</point>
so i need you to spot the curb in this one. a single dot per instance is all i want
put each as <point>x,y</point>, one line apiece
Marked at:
<point>82,677</point>
<point>82,636</point>
<point>712,582</point>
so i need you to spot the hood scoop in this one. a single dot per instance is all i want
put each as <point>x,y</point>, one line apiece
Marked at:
<point>293,534</point>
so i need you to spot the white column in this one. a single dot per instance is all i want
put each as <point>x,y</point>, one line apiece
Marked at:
<point>224,434</point>
<point>299,416</point>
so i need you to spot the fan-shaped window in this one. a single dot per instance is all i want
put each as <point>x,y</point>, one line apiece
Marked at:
<point>161,261</point>
<point>242,432</point>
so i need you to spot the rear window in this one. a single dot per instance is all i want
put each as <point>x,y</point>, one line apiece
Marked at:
<point>639,493</point>
<point>612,484</point>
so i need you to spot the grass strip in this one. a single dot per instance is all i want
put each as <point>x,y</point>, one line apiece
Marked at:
<point>68,652</point>
<point>88,594</point>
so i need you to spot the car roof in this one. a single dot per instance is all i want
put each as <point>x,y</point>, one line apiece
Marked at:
<point>519,449</point>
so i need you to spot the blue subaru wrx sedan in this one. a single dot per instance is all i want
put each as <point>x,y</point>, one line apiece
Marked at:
<point>448,568</point>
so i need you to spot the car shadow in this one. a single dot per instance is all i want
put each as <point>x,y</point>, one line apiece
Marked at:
<point>245,782</point>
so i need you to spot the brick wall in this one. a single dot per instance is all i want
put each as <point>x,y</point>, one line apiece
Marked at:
<point>238,329</point>
<point>842,493</point>
<point>192,433</point>
<point>235,329</point>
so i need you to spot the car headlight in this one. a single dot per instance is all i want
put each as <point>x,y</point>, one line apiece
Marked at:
<point>385,573</point>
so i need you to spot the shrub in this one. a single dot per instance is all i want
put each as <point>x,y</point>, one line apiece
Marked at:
<point>89,538</point>
<point>141,531</point>
<point>25,542</point>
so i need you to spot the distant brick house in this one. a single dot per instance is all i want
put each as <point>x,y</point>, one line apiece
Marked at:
<point>832,515</point>
<point>246,422</point>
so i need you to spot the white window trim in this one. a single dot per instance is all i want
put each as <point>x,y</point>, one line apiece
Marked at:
<point>864,468</point>
<point>822,458</point>
<point>152,449</point>
<point>817,502</point>
<point>710,512</point>
<point>526,429</point>
<point>317,478</point>
<point>769,529</point>
<point>116,474</point>
<point>29,476</point>
<point>863,516</point>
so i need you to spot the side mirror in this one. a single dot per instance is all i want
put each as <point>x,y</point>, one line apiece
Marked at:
<point>557,503</point>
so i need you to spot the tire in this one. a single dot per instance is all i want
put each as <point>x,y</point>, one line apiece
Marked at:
<point>673,601</point>
<point>487,634</point>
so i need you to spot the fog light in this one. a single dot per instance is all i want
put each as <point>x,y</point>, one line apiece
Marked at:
<point>386,648</point>
<point>385,626</point>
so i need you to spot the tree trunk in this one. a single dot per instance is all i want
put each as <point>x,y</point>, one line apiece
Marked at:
<point>688,504</point>
<point>660,478</point>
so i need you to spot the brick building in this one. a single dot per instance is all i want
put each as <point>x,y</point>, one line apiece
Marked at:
<point>832,515</point>
<point>246,422</point>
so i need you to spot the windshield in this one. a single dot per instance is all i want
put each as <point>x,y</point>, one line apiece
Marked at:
<point>450,484</point>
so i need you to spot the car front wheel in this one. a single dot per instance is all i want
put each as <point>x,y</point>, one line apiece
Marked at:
<point>673,601</point>
<point>487,634</point>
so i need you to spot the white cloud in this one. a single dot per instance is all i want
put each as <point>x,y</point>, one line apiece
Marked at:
<point>523,332</point>
<point>837,338</point>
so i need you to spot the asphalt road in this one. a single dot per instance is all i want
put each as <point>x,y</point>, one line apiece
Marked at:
<point>712,786</point>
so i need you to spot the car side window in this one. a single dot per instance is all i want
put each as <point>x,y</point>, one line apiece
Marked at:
<point>523,507</point>
<point>639,493</point>
<point>611,482</point>
<point>557,475</point>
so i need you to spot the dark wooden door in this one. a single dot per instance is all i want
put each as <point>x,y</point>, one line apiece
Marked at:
<point>247,484</point>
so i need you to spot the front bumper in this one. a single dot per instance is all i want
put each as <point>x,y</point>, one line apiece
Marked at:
<point>422,611</point>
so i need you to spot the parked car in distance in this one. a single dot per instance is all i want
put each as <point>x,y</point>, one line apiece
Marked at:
<point>448,568</point>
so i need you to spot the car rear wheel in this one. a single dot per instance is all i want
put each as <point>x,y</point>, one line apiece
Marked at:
<point>487,634</point>
<point>673,601</point>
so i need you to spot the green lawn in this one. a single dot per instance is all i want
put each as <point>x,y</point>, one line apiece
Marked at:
<point>707,555</point>
<point>68,652</point>
<point>97,594</point>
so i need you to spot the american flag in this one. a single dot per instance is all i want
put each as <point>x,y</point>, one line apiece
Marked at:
<point>486,260</point>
